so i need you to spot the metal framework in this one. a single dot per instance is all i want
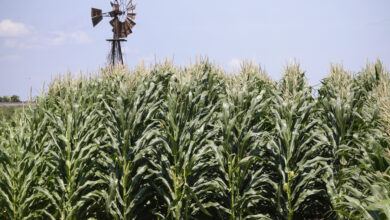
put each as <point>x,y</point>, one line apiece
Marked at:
<point>115,55</point>
<point>122,15</point>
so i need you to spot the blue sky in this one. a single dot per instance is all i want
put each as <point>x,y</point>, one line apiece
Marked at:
<point>40,39</point>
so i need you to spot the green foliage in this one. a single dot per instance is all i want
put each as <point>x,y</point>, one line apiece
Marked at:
<point>9,112</point>
<point>5,99</point>
<point>15,98</point>
<point>194,143</point>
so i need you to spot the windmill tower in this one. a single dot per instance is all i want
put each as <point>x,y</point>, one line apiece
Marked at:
<point>122,22</point>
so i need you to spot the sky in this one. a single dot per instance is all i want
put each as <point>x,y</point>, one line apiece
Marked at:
<point>40,39</point>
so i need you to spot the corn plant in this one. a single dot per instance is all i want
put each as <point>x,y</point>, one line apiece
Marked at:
<point>300,156</point>
<point>169,142</point>
<point>22,167</point>
<point>242,125</point>
<point>19,174</point>
<point>350,126</point>
<point>76,142</point>
<point>183,161</point>
<point>129,115</point>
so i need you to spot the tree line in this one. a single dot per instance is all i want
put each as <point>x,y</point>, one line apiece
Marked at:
<point>13,98</point>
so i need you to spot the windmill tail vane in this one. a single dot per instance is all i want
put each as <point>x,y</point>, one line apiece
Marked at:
<point>122,22</point>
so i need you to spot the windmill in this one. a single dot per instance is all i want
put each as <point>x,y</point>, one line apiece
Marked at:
<point>122,15</point>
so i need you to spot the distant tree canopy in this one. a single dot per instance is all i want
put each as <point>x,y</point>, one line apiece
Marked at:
<point>13,98</point>
<point>5,99</point>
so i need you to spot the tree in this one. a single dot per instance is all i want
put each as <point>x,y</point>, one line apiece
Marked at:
<point>15,98</point>
<point>5,99</point>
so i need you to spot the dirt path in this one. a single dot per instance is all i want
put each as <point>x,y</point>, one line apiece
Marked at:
<point>17,104</point>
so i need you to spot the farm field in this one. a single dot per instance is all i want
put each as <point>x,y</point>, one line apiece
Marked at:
<point>7,112</point>
<point>197,143</point>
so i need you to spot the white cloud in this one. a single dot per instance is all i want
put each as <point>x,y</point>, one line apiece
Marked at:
<point>33,40</point>
<point>30,45</point>
<point>11,57</point>
<point>57,38</point>
<point>10,28</point>
<point>80,37</point>
<point>51,39</point>
<point>26,43</point>
<point>11,43</point>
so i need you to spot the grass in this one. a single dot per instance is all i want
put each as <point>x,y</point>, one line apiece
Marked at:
<point>8,112</point>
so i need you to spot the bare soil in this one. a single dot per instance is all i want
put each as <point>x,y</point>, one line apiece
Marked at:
<point>16,104</point>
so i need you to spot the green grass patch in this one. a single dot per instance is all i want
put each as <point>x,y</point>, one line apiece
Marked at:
<point>8,112</point>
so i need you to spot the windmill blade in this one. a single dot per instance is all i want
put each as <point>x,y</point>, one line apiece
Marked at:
<point>115,6</point>
<point>96,16</point>
<point>130,22</point>
<point>96,12</point>
<point>131,8</point>
<point>127,29</point>
<point>129,4</point>
<point>96,20</point>
<point>131,15</point>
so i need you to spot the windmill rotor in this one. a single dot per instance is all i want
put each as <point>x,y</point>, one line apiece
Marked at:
<point>97,16</point>
<point>122,21</point>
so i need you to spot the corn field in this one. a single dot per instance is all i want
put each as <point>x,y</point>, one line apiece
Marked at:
<point>170,142</point>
